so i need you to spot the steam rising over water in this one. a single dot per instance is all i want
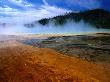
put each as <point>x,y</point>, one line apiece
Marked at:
<point>70,27</point>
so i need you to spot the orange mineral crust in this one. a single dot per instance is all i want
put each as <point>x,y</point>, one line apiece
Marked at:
<point>23,63</point>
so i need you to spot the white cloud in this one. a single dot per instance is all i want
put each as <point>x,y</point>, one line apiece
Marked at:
<point>22,3</point>
<point>45,2</point>
<point>7,9</point>
<point>31,13</point>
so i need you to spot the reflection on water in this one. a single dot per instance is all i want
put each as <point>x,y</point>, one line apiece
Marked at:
<point>75,28</point>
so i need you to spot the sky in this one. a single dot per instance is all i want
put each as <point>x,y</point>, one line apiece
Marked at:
<point>29,10</point>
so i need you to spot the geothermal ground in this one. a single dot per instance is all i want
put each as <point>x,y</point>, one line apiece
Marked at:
<point>73,58</point>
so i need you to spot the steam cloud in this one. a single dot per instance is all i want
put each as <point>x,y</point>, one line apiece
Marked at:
<point>69,27</point>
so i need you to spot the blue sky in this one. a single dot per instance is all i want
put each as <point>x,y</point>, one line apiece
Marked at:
<point>30,10</point>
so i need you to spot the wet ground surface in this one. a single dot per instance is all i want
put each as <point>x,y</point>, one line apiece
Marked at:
<point>32,59</point>
<point>93,48</point>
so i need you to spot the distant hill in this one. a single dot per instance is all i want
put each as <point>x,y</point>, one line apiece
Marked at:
<point>98,17</point>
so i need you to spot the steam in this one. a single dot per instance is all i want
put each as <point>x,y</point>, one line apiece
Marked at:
<point>68,28</point>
